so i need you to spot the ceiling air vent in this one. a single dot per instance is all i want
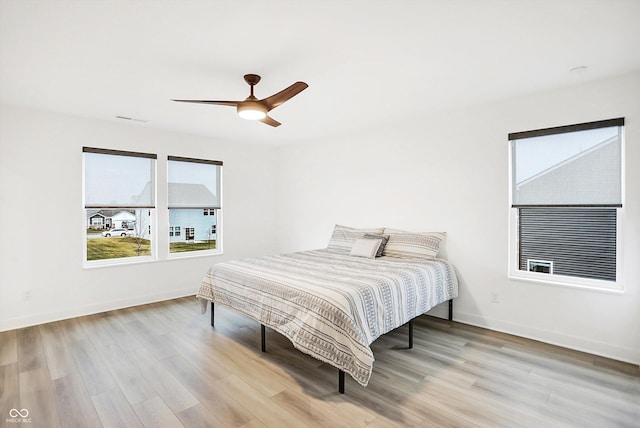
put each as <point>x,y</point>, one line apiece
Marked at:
<point>131,118</point>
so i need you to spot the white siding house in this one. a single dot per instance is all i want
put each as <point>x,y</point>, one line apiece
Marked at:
<point>194,224</point>
<point>124,220</point>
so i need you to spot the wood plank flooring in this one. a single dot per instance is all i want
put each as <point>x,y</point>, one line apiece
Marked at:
<point>163,365</point>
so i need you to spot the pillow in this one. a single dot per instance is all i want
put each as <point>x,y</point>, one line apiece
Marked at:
<point>365,247</point>
<point>423,245</point>
<point>344,237</point>
<point>383,238</point>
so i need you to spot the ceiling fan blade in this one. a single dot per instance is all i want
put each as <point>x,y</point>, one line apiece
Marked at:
<point>270,121</point>
<point>276,99</point>
<point>221,103</point>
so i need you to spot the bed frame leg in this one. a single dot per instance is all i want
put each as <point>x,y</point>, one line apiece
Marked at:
<point>340,381</point>
<point>212,315</point>
<point>410,334</point>
<point>263,338</point>
<point>450,309</point>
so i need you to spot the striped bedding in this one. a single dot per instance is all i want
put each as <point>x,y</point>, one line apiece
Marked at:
<point>331,305</point>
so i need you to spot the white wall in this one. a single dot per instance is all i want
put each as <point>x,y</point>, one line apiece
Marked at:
<point>41,215</point>
<point>449,172</point>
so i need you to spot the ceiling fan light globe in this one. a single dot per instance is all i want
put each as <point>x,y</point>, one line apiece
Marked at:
<point>252,111</point>
<point>252,114</point>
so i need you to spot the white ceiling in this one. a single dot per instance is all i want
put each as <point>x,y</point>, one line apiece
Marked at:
<point>366,62</point>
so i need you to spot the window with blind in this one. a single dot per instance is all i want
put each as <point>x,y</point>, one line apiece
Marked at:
<point>119,204</point>
<point>194,202</point>
<point>566,197</point>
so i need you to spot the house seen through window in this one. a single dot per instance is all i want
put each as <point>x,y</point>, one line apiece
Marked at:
<point>119,189</point>
<point>118,204</point>
<point>194,202</point>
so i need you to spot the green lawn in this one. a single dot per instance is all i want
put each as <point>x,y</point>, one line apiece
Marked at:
<point>113,248</point>
<point>181,247</point>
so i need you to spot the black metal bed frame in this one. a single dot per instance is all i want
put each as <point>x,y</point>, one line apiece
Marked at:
<point>263,339</point>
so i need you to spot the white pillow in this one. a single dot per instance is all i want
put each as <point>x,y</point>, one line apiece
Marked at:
<point>423,245</point>
<point>365,247</point>
<point>344,237</point>
<point>384,239</point>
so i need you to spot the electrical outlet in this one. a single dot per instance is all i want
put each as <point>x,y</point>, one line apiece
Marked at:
<point>26,296</point>
<point>494,297</point>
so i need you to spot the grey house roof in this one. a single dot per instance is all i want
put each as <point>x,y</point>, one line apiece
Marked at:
<point>590,173</point>
<point>188,195</point>
<point>106,213</point>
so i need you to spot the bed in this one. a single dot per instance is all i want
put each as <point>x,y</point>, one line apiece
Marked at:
<point>332,303</point>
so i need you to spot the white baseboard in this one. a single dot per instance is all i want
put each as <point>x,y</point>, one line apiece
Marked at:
<point>42,318</point>
<point>602,349</point>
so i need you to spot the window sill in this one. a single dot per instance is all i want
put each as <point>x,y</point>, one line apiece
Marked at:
<point>93,264</point>
<point>97,264</point>
<point>569,282</point>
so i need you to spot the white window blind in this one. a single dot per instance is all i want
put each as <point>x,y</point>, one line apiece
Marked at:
<point>575,165</point>
<point>118,179</point>
<point>194,183</point>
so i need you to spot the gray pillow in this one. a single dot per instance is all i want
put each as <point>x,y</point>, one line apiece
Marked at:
<point>384,238</point>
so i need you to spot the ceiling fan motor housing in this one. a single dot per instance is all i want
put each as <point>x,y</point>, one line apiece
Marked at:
<point>251,79</point>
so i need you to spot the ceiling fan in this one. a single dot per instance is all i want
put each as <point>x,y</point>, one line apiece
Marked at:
<point>254,109</point>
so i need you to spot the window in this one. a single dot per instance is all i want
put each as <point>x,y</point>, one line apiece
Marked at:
<point>566,199</point>
<point>194,196</point>
<point>190,233</point>
<point>119,189</point>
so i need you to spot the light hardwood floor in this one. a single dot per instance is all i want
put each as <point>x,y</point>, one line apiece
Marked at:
<point>163,365</point>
